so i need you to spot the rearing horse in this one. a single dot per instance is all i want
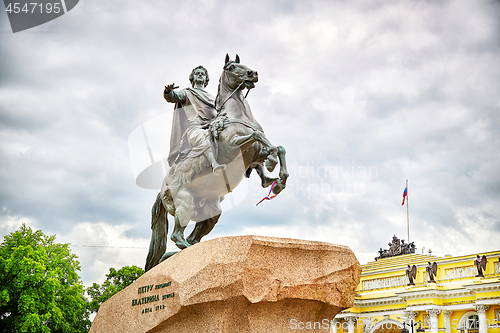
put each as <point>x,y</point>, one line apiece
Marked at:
<point>191,191</point>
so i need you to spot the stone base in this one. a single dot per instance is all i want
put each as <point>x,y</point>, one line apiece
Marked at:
<point>238,284</point>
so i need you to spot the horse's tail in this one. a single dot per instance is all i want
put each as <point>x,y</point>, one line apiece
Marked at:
<point>159,227</point>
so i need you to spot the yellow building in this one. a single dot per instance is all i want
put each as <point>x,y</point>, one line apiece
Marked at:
<point>457,302</point>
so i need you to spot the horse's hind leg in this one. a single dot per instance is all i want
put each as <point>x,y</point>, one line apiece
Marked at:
<point>201,229</point>
<point>184,208</point>
<point>210,213</point>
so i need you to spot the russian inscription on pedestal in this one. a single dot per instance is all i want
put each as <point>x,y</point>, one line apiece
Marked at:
<point>152,298</point>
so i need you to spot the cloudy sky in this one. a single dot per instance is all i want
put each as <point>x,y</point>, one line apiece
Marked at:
<point>362,94</point>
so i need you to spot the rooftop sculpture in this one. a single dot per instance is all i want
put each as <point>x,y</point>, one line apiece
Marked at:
<point>411,273</point>
<point>431,271</point>
<point>480,263</point>
<point>396,247</point>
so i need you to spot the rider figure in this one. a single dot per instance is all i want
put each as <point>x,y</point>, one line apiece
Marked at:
<point>194,108</point>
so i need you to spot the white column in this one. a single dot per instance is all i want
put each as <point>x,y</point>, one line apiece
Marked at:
<point>481,313</point>
<point>408,316</point>
<point>447,325</point>
<point>409,319</point>
<point>368,324</point>
<point>335,325</point>
<point>433,313</point>
<point>351,321</point>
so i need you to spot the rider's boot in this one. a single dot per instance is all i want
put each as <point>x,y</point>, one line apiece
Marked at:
<point>217,168</point>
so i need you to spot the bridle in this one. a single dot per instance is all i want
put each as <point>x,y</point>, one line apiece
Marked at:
<point>227,99</point>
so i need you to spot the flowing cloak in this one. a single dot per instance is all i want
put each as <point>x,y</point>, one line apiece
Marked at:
<point>194,107</point>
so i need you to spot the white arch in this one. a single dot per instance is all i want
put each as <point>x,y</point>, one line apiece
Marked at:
<point>385,322</point>
<point>465,316</point>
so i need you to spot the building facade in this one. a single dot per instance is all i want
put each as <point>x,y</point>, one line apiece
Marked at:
<point>457,301</point>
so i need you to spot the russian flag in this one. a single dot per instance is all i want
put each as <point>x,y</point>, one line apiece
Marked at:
<point>405,193</point>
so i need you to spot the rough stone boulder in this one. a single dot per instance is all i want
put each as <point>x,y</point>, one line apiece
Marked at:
<point>238,284</point>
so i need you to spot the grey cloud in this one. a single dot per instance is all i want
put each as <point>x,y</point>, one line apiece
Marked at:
<point>408,88</point>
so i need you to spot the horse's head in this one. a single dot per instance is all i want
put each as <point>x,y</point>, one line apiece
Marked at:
<point>238,75</point>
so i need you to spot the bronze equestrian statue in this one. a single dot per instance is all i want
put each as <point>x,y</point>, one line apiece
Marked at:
<point>214,146</point>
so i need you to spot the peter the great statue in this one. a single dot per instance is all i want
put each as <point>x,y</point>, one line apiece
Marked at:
<point>213,145</point>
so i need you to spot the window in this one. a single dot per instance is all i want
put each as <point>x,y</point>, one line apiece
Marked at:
<point>469,323</point>
<point>472,322</point>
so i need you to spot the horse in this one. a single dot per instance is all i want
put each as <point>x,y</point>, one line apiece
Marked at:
<point>191,191</point>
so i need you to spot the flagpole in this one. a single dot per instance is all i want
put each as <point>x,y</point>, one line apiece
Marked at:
<point>407,212</point>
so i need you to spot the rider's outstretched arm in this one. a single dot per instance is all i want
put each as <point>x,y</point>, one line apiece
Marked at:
<point>174,96</point>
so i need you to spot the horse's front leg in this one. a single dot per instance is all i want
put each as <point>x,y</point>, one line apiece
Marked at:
<point>184,208</point>
<point>271,151</point>
<point>243,140</point>
<point>255,136</point>
<point>283,174</point>
<point>266,181</point>
<point>271,160</point>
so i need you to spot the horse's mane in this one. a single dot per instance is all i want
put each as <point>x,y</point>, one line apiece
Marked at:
<point>224,69</point>
<point>218,101</point>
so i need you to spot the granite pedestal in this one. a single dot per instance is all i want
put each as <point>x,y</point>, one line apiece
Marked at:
<point>238,284</point>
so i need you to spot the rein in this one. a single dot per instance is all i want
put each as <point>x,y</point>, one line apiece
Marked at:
<point>227,99</point>
<point>241,122</point>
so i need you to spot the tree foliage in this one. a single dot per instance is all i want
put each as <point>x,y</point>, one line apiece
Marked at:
<point>40,290</point>
<point>116,280</point>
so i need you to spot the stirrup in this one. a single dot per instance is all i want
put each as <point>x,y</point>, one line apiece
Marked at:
<point>219,168</point>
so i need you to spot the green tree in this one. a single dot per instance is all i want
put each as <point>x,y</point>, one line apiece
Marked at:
<point>40,290</point>
<point>116,280</point>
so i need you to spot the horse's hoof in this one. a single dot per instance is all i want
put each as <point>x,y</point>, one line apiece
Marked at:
<point>168,255</point>
<point>182,244</point>
<point>268,181</point>
<point>192,241</point>
<point>278,188</point>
